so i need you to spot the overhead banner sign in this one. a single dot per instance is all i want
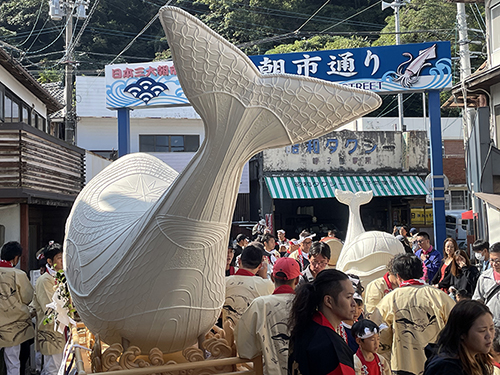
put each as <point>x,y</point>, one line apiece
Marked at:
<point>152,84</point>
<point>386,69</point>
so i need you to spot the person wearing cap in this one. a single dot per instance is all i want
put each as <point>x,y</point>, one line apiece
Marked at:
<point>302,253</point>
<point>16,293</point>
<point>259,229</point>
<point>50,343</point>
<point>319,256</point>
<point>282,244</point>
<point>241,241</point>
<point>263,327</point>
<point>294,246</point>
<point>248,283</point>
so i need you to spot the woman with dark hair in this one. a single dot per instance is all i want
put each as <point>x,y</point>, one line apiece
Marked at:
<point>317,311</point>
<point>462,274</point>
<point>450,246</point>
<point>464,342</point>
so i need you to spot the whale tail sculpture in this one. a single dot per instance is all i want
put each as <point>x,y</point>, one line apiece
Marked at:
<point>353,201</point>
<point>144,247</point>
<point>364,254</point>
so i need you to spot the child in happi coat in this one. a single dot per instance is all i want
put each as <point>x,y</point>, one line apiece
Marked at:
<point>366,359</point>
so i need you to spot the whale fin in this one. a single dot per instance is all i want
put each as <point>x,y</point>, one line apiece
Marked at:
<point>306,107</point>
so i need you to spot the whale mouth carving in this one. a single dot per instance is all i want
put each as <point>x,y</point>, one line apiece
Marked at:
<point>145,247</point>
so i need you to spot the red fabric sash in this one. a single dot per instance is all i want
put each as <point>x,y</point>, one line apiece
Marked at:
<point>319,318</point>
<point>388,283</point>
<point>369,368</point>
<point>284,289</point>
<point>5,264</point>
<point>242,272</point>
<point>412,282</point>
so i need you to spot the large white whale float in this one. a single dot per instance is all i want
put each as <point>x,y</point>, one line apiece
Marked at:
<point>365,254</point>
<point>145,249</point>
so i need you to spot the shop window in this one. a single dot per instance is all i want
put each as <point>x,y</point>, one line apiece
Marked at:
<point>169,143</point>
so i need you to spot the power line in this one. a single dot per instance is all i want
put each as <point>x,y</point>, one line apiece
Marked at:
<point>82,29</point>
<point>310,18</point>
<point>137,36</point>
<point>354,15</point>
<point>34,25</point>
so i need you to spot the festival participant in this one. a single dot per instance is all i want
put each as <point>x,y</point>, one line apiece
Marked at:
<point>319,255</point>
<point>488,284</point>
<point>241,242</point>
<point>332,235</point>
<point>262,328</point>
<point>248,283</point>
<point>450,246</point>
<point>366,359</point>
<point>378,288</point>
<point>294,246</point>
<point>16,293</point>
<point>464,343</point>
<point>430,257</point>
<point>230,270</point>
<point>345,329</point>
<point>480,248</point>
<point>282,244</point>
<point>495,352</point>
<point>49,342</point>
<point>462,274</point>
<point>414,313</point>
<point>315,346</point>
<point>302,253</point>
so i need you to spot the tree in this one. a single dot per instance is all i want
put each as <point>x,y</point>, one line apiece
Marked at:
<point>321,42</point>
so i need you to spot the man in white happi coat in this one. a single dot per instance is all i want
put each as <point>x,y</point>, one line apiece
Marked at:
<point>49,342</point>
<point>263,328</point>
<point>16,293</point>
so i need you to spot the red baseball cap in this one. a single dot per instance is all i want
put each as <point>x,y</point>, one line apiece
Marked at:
<point>287,266</point>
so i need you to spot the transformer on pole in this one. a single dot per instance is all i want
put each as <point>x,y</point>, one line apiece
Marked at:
<point>69,9</point>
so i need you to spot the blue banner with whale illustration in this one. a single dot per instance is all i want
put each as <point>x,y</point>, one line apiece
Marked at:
<point>385,69</point>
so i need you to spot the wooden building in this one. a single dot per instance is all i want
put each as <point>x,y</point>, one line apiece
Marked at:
<point>40,174</point>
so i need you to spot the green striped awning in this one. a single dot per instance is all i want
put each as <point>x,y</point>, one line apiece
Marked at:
<point>296,187</point>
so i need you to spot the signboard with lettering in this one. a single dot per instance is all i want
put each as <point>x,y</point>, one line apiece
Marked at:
<point>385,69</point>
<point>348,151</point>
<point>151,84</point>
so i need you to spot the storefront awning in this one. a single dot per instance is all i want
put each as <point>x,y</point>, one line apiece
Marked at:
<point>295,187</point>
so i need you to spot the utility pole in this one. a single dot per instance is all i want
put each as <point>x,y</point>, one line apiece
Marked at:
<point>69,9</point>
<point>396,4</point>
<point>69,123</point>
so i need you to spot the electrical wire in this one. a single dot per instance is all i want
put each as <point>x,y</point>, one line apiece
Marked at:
<point>354,15</point>
<point>34,25</point>
<point>82,29</point>
<point>137,36</point>
<point>310,18</point>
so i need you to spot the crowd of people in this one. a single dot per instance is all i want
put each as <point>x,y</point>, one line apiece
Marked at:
<point>429,314</point>
<point>24,317</point>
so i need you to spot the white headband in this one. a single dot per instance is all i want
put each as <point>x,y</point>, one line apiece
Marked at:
<point>302,239</point>
<point>369,333</point>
